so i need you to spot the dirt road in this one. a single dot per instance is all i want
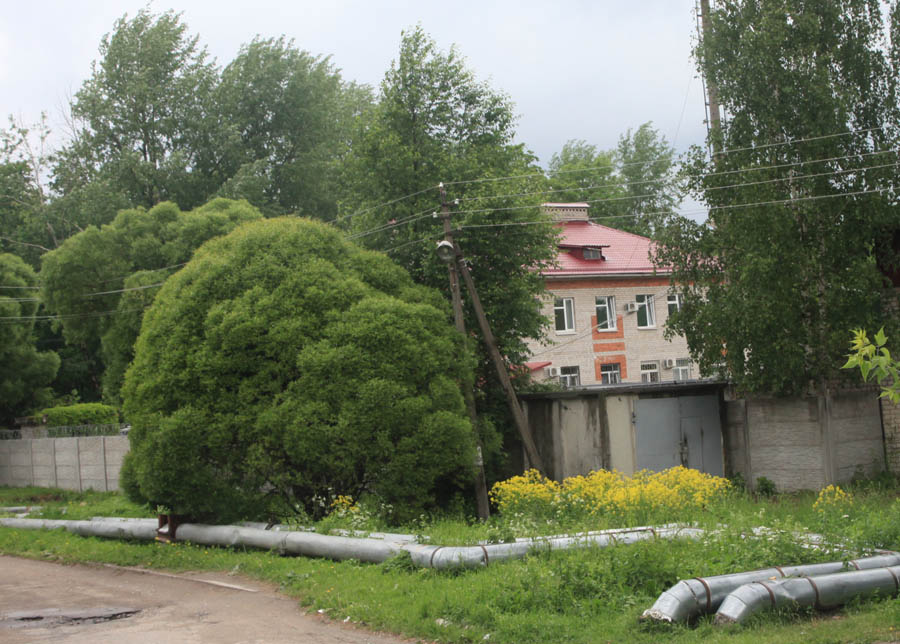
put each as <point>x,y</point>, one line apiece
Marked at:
<point>47,602</point>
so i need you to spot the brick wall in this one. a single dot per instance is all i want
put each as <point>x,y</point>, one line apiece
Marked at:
<point>588,348</point>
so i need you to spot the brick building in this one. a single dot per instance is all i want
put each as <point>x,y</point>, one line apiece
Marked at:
<point>608,307</point>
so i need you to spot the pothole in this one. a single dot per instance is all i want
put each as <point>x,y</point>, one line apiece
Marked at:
<point>61,616</point>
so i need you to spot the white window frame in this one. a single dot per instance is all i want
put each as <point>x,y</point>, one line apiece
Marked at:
<point>674,300</point>
<point>566,306</point>
<point>609,303</point>
<point>682,366</point>
<point>610,373</point>
<point>647,304</point>
<point>570,376</point>
<point>650,371</point>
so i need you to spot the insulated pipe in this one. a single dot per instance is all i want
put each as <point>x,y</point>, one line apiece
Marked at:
<point>309,544</point>
<point>108,529</point>
<point>821,592</point>
<point>691,597</point>
<point>333,547</point>
<point>482,555</point>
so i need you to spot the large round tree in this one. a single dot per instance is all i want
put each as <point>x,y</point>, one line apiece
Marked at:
<point>284,365</point>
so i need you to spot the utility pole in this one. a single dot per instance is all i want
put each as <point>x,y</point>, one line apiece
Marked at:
<point>456,257</point>
<point>481,495</point>
<point>712,90</point>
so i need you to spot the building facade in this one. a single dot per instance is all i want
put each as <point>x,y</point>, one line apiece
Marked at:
<point>608,306</point>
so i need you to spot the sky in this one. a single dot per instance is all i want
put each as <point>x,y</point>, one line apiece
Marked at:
<point>575,69</point>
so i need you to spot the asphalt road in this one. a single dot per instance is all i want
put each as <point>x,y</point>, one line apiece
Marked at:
<point>48,602</point>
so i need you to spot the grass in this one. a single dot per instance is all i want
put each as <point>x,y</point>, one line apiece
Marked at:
<point>592,595</point>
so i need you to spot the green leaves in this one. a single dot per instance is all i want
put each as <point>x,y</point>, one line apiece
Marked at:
<point>875,362</point>
<point>787,260</point>
<point>284,358</point>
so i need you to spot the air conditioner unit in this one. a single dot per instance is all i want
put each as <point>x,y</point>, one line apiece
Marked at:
<point>668,363</point>
<point>552,372</point>
<point>630,307</point>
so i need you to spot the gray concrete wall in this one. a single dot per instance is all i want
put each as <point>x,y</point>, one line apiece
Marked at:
<point>890,414</point>
<point>87,462</point>
<point>805,443</point>
<point>571,434</point>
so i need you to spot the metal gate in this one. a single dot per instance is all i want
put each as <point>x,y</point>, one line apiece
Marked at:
<point>683,430</point>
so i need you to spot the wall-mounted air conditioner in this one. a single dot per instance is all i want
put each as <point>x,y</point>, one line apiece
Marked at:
<point>668,363</point>
<point>552,372</point>
<point>630,307</point>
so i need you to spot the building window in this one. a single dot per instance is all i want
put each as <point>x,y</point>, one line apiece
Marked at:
<point>569,376</point>
<point>682,369</point>
<point>650,371</point>
<point>606,312</point>
<point>593,253</point>
<point>675,300</point>
<point>564,311</point>
<point>646,316</point>
<point>610,374</point>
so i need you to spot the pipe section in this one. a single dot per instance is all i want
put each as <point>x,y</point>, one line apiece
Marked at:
<point>691,597</point>
<point>482,555</point>
<point>821,592</point>
<point>370,550</point>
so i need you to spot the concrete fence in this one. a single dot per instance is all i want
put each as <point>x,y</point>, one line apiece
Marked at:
<point>86,462</point>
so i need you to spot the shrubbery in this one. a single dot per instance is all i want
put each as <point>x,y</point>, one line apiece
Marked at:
<point>626,500</point>
<point>80,414</point>
<point>284,366</point>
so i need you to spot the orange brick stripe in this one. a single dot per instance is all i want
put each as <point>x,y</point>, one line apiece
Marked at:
<point>602,360</point>
<point>609,346</point>
<point>608,335</point>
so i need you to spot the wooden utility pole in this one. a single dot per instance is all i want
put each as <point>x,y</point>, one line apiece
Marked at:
<point>712,90</point>
<point>500,366</point>
<point>481,495</point>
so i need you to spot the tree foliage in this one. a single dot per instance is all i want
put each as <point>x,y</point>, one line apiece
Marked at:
<point>288,116</point>
<point>101,280</point>
<point>631,187</point>
<point>800,197</point>
<point>435,122</point>
<point>283,366</point>
<point>143,119</point>
<point>25,372</point>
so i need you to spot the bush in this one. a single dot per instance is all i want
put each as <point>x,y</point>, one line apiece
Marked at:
<point>80,414</point>
<point>284,366</point>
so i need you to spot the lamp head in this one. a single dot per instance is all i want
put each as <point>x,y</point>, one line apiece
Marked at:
<point>445,251</point>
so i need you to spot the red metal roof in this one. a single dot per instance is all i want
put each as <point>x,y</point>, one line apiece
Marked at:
<point>534,366</point>
<point>625,253</point>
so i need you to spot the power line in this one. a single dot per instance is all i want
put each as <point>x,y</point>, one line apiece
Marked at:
<point>632,163</point>
<point>45,318</point>
<point>124,290</point>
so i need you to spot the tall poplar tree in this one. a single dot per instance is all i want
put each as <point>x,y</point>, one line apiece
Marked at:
<point>801,192</point>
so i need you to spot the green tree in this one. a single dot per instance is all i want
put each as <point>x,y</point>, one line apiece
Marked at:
<point>289,114</point>
<point>628,188</point>
<point>283,366</point>
<point>435,122</point>
<point>799,198</point>
<point>100,280</point>
<point>143,123</point>
<point>25,372</point>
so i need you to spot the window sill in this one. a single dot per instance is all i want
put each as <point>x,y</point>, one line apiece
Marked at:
<point>605,330</point>
<point>572,332</point>
<point>646,328</point>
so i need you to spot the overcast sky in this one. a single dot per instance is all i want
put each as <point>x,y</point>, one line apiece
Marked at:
<point>575,69</point>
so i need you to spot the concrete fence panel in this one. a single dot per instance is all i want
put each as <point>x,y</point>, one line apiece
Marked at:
<point>83,463</point>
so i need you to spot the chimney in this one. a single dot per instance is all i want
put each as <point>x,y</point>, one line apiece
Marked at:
<point>577,211</point>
